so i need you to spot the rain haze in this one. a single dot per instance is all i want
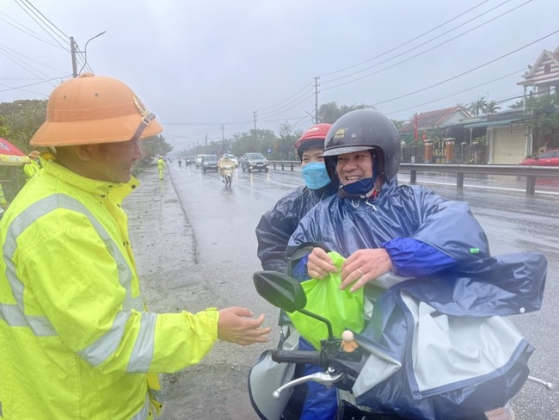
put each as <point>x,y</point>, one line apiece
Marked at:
<point>213,69</point>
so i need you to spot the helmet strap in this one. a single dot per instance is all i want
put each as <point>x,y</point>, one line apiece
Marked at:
<point>365,188</point>
<point>143,124</point>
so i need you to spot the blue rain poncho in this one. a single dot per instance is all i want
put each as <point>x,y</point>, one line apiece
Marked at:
<point>279,223</point>
<point>440,243</point>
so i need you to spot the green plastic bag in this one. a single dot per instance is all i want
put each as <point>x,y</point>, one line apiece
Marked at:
<point>342,308</point>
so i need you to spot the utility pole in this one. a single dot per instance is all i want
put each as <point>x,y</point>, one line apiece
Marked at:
<point>73,51</point>
<point>255,136</point>
<point>316,91</point>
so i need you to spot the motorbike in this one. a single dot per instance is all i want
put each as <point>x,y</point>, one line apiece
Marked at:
<point>371,380</point>
<point>227,174</point>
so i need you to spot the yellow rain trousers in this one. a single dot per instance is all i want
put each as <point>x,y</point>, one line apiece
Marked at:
<point>76,341</point>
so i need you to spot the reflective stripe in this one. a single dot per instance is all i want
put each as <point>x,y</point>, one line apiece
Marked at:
<point>14,317</point>
<point>142,354</point>
<point>143,414</point>
<point>106,345</point>
<point>102,348</point>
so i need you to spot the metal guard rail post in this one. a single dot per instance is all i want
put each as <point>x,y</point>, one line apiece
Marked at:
<point>290,163</point>
<point>530,172</point>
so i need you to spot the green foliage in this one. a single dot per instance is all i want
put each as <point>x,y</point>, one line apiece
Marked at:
<point>481,106</point>
<point>22,119</point>
<point>331,111</point>
<point>482,141</point>
<point>154,146</point>
<point>543,118</point>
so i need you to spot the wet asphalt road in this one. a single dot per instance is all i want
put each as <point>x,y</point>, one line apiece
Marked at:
<point>222,223</point>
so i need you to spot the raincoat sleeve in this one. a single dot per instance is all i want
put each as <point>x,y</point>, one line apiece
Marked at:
<point>421,231</point>
<point>82,296</point>
<point>446,225</point>
<point>275,228</point>
<point>412,258</point>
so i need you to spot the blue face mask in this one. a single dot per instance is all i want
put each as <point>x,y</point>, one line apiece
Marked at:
<point>315,175</point>
<point>359,188</point>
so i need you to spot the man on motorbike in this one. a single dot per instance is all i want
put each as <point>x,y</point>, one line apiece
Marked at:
<point>279,223</point>
<point>379,226</point>
<point>225,165</point>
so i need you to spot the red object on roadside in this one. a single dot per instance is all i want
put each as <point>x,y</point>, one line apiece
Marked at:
<point>10,155</point>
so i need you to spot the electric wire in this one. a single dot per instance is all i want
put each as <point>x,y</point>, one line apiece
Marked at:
<point>408,42</point>
<point>467,71</point>
<point>30,33</point>
<point>455,93</point>
<point>420,53</point>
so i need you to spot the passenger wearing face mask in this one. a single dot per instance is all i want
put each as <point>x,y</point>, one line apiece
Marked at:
<point>278,224</point>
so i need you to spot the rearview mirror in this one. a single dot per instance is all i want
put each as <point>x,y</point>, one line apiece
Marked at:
<point>280,290</point>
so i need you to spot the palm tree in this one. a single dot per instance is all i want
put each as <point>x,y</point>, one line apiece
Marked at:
<point>491,107</point>
<point>478,107</point>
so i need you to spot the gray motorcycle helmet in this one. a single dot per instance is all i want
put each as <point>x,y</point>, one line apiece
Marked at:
<point>364,129</point>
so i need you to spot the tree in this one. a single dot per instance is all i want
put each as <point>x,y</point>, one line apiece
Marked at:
<point>478,107</point>
<point>543,118</point>
<point>22,119</point>
<point>154,146</point>
<point>491,107</point>
<point>331,111</point>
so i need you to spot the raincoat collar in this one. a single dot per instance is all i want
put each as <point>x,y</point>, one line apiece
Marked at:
<point>98,188</point>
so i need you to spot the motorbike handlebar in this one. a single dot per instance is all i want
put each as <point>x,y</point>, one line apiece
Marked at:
<point>296,356</point>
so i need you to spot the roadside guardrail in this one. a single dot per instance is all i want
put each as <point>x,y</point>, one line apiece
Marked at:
<point>530,172</point>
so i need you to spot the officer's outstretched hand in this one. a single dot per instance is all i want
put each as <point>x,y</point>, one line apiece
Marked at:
<point>236,325</point>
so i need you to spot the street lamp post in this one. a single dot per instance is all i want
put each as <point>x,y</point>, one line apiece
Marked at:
<point>74,51</point>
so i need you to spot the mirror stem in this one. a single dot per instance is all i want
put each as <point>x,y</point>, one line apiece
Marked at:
<point>315,316</point>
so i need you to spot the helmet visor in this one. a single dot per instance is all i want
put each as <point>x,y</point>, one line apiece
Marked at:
<point>345,150</point>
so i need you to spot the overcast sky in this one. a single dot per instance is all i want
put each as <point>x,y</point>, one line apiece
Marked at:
<point>198,64</point>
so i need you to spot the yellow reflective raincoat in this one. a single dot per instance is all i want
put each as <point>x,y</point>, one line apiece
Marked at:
<point>76,341</point>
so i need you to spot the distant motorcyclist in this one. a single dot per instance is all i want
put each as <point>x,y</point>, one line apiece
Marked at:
<point>225,165</point>
<point>180,163</point>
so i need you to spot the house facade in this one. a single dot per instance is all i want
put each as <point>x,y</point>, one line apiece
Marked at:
<point>508,135</point>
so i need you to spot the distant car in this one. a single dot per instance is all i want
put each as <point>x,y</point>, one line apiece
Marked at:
<point>209,163</point>
<point>190,159</point>
<point>233,158</point>
<point>253,161</point>
<point>198,161</point>
<point>549,158</point>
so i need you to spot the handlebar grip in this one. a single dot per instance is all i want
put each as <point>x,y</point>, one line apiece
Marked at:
<point>296,356</point>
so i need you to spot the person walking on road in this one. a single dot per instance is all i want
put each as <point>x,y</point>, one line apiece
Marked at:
<point>32,167</point>
<point>161,166</point>
<point>77,339</point>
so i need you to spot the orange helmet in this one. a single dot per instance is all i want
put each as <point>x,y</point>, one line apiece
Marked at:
<point>92,110</point>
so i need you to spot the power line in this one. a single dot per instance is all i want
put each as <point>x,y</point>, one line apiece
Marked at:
<point>416,55</point>
<point>466,72</point>
<point>28,58</point>
<point>43,18</point>
<point>32,84</point>
<point>407,42</point>
<point>456,93</point>
<point>31,33</point>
